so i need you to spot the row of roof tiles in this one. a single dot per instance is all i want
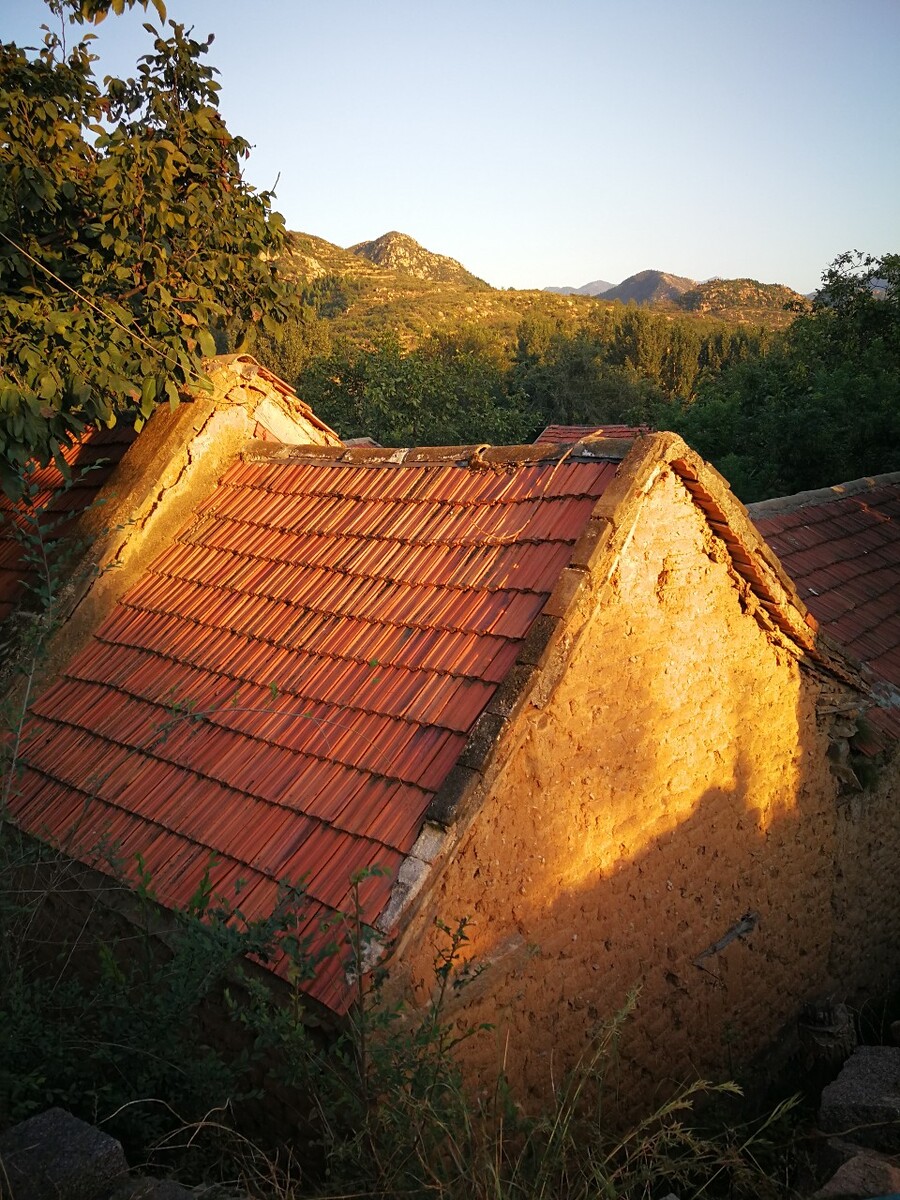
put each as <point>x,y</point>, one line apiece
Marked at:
<point>52,502</point>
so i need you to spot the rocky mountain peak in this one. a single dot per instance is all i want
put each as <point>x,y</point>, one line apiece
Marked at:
<point>650,287</point>
<point>399,252</point>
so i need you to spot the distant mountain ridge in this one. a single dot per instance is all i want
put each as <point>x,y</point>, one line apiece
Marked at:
<point>651,287</point>
<point>393,282</point>
<point>596,287</point>
<point>659,288</point>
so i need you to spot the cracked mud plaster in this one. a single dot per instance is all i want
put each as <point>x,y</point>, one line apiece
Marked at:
<point>675,780</point>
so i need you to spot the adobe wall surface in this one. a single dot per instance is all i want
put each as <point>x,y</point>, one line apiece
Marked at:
<point>673,784</point>
<point>866,946</point>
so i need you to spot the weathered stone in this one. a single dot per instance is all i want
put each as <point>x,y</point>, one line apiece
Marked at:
<point>54,1156</point>
<point>867,1174</point>
<point>864,1100</point>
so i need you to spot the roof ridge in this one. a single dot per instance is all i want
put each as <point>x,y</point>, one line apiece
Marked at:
<point>838,491</point>
<point>473,457</point>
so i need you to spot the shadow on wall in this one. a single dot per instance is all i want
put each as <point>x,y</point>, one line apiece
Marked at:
<point>723,923</point>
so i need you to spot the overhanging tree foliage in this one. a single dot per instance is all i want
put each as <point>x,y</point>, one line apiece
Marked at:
<point>127,236</point>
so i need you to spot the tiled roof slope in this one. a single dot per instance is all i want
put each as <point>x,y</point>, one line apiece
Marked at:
<point>841,546</point>
<point>564,435</point>
<point>92,459</point>
<point>292,680</point>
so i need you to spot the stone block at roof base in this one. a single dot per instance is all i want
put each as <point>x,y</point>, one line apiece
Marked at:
<point>863,1103</point>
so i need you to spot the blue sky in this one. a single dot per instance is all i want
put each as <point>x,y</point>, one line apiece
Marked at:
<point>559,142</point>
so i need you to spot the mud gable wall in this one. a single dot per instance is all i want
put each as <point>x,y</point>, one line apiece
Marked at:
<point>673,786</point>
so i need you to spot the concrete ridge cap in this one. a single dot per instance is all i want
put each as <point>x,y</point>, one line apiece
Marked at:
<point>472,456</point>
<point>814,496</point>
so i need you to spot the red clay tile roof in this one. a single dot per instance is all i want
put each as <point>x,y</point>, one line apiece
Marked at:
<point>293,679</point>
<point>564,435</point>
<point>841,546</point>
<point>53,501</point>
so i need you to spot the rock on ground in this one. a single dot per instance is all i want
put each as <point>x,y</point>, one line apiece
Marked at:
<point>863,1103</point>
<point>54,1156</point>
<point>867,1174</point>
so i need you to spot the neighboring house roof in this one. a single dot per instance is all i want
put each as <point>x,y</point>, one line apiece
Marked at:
<point>841,546</point>
<point>339,626</point>
<point>46,513</point>
<point>116,476</point>
<point>565,434</point>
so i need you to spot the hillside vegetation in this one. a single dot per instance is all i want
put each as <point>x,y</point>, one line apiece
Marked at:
<point>394,283</point>
<point>743,300</point>
<point>392,341</point>
<point>429,358</point>
<point>821,404</point>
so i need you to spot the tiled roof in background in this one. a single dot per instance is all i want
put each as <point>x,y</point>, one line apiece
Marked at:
<point>841,547</point>
<point>563,435</point>
<point>293,679</point>
<point>54,502</point>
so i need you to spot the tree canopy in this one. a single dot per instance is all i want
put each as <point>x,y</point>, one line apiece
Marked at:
<point>128,236</point>
<point>822,406</point>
